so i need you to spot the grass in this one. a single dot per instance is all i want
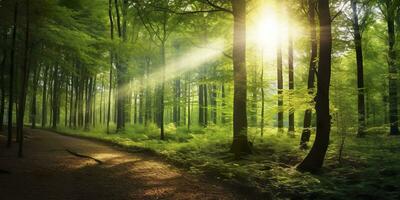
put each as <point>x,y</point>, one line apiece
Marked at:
<point>369,168</point>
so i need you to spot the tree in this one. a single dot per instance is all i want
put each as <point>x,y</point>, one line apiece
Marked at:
<point>360,70</point>
<point>11,76</point>
<point>291,79</point>
<point>279,81</point>
<point>388,8</point>
<point>240,143</point>
<point>306,133</point>
<point>315,158</point>
<point>24,78</point>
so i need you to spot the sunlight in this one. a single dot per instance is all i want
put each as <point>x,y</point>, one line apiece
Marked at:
<point>267,27</point>
<point>191,60</point>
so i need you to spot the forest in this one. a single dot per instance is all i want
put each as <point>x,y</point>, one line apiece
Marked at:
<point>199,99</point>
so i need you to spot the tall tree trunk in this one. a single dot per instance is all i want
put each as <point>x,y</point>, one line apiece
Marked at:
<point>262,94</point>
<point>315,158</point>
<point>176,108</point>
<point>360,71</point>
<point>201,105</point>
<point>3,84</point>
<point>135,108</point>
<point>11,77</point>
<point>141,106</point>
<point>88,109</point>
<point>306,133</point>
<point>55,97</point>
<point>120,76</point>
<point>24,84</point>
<point>66,101</point>
<point>254,102</point>
<point>240,144</point>
<point>71,102</point>
<point>101,100</point>
<point>223,104</point>
<point>93,102</point>
<point>161,111</point>
<point>393,112</point>
<point>189,120</point>
<point>44,96</point>
<point>279,84</point>
<point>111,65</point>
<point>213,103</point>
<point>35,82</point>
<point>291,81</point>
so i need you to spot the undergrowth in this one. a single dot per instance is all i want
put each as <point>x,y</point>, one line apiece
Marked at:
<point>369,167</point>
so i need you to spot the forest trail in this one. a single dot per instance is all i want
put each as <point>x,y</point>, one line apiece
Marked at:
<point>55,167</point>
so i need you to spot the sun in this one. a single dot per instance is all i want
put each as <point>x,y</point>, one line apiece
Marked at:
<point>267,28</point>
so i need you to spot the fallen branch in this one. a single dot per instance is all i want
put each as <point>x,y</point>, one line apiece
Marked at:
<point>84,156</point>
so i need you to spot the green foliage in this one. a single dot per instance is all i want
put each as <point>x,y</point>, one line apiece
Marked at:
<point>270,171</point>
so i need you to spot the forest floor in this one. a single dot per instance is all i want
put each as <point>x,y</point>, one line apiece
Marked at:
<point>368,168</point>
<point>59,167</point>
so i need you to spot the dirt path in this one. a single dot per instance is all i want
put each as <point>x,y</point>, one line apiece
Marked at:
<point>48,171</point>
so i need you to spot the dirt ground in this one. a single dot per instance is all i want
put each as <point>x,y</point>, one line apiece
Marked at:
<point>48,171</point>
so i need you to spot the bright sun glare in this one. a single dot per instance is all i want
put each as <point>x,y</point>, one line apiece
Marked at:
<point>267,28</point>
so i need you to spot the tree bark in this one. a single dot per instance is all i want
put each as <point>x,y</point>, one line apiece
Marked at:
<point>279,85</point>
<point>11,77</point>
<point>360,71</point>
<point>55,97</point>
<point>393,74</point>
<point>3,85</point>
<point>24,84</point>
<point>315,158</point>
<point>240,144</point>
<point>111,65</point>
<point>306,133</point>
<point>44,96</point>
<point>35,83</point>
<point>291,81</point>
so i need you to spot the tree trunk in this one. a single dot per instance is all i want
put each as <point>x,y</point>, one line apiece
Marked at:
<point>360,71</point>
<point>306,133</point>
<point>262,94</point>
<point>11,77</point>
<point>88,111</point>
<point>176,108</point>
<point>55,98</point>
<point>189,120</point>
<point>240,144</point>
<point>280,85</point>
<point>66,101</point>
<point>121,96</point>
<point>35,83</point>
<point>71,102</point>
<point>111,65</point>
<point>24,84</point>
<point>315,158</point>
<point>93,102</point>
<point>223,104</point>
<point>161,111</point>
<point>44,97</point>
<point>214,103</point>
<point>3,85</point>
<point>393,112</point>
<point>291,81</point>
